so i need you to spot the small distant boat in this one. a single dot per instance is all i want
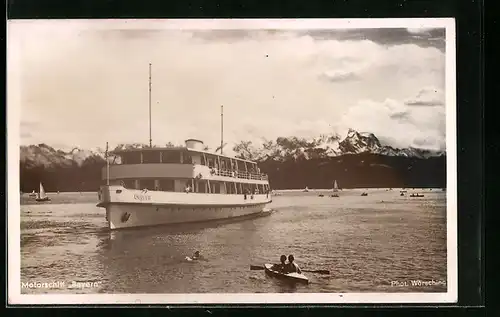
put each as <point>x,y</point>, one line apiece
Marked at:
<point>335,189</point>
<point>364,194</point>
<point>32,194</point>
<point>306,190</point>
<point>321,195</point>
<point>41,195</point>
<point>416,195</point>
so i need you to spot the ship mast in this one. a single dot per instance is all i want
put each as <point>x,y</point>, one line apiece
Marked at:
<point>221,128</point>
<point>107,165</point>
<point>150,139</point>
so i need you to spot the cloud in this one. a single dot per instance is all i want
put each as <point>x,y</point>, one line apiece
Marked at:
<point>427,97</point>
<point>89,85</point>
<point>421,30</point>
<point>339,76</point>
<point>399,125</point>
<point>423,37</point>
<point>402,115</point>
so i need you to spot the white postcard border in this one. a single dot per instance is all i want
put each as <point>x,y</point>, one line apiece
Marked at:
<point>13,143</point>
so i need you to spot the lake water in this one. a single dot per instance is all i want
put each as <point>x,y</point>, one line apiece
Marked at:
<point>369,244</point>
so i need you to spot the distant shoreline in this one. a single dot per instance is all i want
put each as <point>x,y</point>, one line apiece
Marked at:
<point>290,190</point>
<point>360,188</point>
<point>63,192</point>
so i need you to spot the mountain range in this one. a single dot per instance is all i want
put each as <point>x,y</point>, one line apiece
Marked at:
<point>282,149</point>
<point>358,160</point>
<point>325,146</point>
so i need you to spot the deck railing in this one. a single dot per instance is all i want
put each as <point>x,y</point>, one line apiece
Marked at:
<point>239,174</point>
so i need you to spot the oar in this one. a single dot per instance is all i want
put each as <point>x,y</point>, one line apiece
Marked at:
<point>317,271</point>
<point>257,267</point>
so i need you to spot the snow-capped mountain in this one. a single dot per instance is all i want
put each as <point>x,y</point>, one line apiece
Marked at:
<point>356,142</point>
<point>326,146</point>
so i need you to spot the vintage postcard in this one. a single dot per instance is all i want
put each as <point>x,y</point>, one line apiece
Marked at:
<point>231,161</point>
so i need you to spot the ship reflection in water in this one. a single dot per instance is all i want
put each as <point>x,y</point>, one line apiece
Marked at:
<point>364,242</point>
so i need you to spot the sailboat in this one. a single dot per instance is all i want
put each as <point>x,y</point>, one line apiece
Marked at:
<point>335,189</point>
<point>306,189</point>
<point>32,194</point>
<point>41,195</point>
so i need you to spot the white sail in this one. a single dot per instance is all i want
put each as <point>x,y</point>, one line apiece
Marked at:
<point>42,192</point>
<point>335,187</point>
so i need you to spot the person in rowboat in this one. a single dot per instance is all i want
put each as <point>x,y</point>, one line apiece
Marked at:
<point>280,267</point>
<point>291,266</point>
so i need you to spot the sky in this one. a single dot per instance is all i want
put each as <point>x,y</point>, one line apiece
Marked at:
<point>85,83</point>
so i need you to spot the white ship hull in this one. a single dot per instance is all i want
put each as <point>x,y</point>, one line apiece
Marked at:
<point>127,216</point>
<point>127,208</point>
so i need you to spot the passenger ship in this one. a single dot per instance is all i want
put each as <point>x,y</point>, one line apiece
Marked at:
<point>154,186</point>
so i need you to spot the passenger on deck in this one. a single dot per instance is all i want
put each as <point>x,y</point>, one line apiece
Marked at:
<point>292,267</point>
<point>280,267</point>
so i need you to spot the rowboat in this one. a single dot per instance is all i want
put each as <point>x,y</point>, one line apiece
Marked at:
<point>290,277</point>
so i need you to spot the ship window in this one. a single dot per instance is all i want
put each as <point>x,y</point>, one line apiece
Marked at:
<point>171,157</point>
<point>112,182</point>
<point>210,161</point>
<point>131,158</point>
<point>150,157</point>
<point>201,186</point>
<point>223,164</point>
<point>216,187</point>
<point>252,168</point>
<point>128,183</point>
<point>148,184</point>
<point>187,159</point>
<point>167,185</point>
<point>239,166</point>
